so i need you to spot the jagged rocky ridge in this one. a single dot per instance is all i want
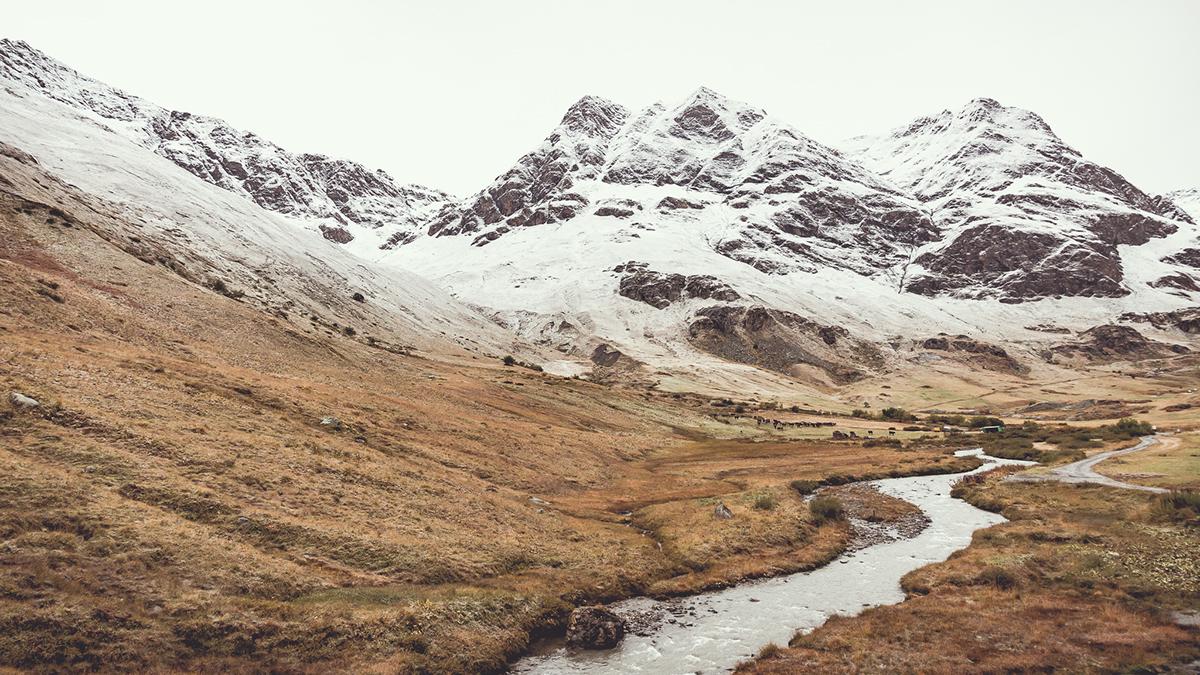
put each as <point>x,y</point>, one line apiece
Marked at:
<point>344,199</point>
<point>725,204</point>
<point>791,204</point>
<point>1025,216</point>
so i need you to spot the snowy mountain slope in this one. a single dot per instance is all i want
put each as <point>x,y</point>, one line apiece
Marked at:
<point>341,199</point>
<point>1187,200</point>
<point>1024,215</point>
<point>707,238</point>
<point>635,230</point>
<point>214,234</point>
<point>769,197</point>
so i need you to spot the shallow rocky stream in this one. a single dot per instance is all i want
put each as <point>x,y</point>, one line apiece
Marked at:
<point>711,633</point>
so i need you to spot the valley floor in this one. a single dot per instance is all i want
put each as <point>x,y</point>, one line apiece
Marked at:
<point>207,486</point>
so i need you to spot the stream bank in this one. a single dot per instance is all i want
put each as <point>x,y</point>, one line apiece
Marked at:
<point>712,632</point>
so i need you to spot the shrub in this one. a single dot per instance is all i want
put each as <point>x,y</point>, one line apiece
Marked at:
<point>768,650</point>
<point>1132,427</point>
<point>826,509</point>
<point>804,487</point>
<point>764,502</point>
<point>510,361</point>
<point>980,421</point>
<point>740,409</point>
<point>897,414</point>
<point>861,414</point>
<point>1179,507</point>
<point>998,577</point>
<point>350,332</point>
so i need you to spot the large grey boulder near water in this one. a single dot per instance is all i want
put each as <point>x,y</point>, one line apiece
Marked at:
<point>594,628</point>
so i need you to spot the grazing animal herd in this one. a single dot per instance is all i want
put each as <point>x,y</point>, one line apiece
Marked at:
<point>791,425</point>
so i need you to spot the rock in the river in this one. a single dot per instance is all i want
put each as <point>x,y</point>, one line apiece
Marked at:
<point>594,628</point>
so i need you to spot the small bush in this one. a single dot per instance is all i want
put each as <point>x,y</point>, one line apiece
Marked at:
<point>1178,507</point>
<point>764,502</point>
<point>998,577</point>
<point>510,361</point>
<point>826,509</point>
<point>350,332</point>
<point>768,650</point>
<point>804,487</point>
<point>897,414</point>
<point>861,414</point>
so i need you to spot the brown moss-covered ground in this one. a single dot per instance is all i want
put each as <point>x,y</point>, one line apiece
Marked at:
<point>175,503</point>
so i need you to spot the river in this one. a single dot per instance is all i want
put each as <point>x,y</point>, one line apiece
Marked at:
<point>711,633</point>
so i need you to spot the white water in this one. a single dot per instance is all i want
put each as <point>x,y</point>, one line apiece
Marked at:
<point>725,627</point>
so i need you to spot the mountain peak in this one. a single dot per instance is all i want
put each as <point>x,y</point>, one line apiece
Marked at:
<point>595,116</point>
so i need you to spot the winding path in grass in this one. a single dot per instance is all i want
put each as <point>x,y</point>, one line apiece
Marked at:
<point>1082,471</point>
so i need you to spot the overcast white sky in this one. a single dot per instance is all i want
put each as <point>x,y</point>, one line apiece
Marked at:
<point>449,94</point>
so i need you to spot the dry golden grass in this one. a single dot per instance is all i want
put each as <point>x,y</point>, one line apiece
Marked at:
<point>176,505</point>
<point>1172,464</point>
<point>1082,580</point>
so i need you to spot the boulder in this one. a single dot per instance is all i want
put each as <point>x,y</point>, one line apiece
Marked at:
<point>722,512</point>
<point>22,401</point>
<point>594,628</point>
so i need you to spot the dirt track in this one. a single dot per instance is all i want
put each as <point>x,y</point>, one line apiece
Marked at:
<point>1081,471</point>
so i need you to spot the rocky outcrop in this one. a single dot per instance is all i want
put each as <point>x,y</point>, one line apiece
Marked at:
<point>1184,320</point>
<point>1025,216</point>
<point>594,628</point>
<point>976,353</point>
<point>659,290</point>
<point>800,205</point>
<point>784,342</point>
<point>1116,343</point>
<point>537,191</point>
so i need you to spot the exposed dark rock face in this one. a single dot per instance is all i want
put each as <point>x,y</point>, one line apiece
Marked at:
<point>1181,281</point>
<point>537,190</point>
<point>783,342</point>
<point>594,628</point>
<point>606,355</point>
<point>659,290</point>
<point>1189,257</point>
<point>1114,343</point>
<point>337,234</point>
<point>976,353</point>
<point>1023,265</point>
<point>1185,320</point>
<point>1025,215</point>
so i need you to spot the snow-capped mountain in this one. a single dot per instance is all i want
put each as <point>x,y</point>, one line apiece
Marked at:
<point>1024,215</point>
<point>758,191</point>
<point>153,209</point>
<point>694,237</point>
<point>343,199</point>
